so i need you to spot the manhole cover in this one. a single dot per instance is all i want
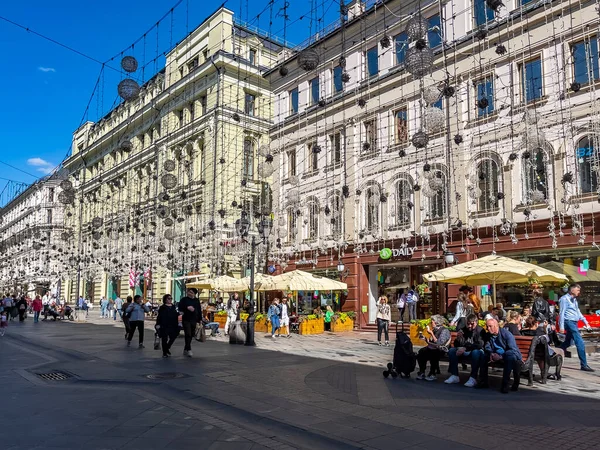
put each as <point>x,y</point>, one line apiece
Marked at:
<point>166,376</point>
<point>54,376</point>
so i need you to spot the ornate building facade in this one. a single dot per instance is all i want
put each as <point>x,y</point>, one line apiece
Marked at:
<point>441,132</point>
<point>159,182</point>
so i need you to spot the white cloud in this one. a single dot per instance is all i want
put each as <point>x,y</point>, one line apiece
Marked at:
<point>41,165</point>
<point>46,69</point>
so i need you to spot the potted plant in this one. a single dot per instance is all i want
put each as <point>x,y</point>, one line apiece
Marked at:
<point>221,318</point>
<point>343,321</point>
<point>311,324</point>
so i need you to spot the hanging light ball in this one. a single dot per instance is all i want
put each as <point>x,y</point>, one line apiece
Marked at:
<point>236,117</point>
<point>483,103</point>
<point>162,212</point>
<point>416,187</point>
<point>500,49</point>
<point>66,197</point>
<point>265,170</point>
<point>416,27</point>
<point>264,150</point>
<point>308,59</point>
<point>281,221</point>
<point>385,41</point>
<point>448,91</point>
<point>434,118</point>
<point>169,234</point>
<point>419,62</point>
<point>169,181</point>
<point>512,157</point>
<point>402,153</point>
<point>432,94</point>
<point>283,71</point>
<point>66,185</point>
<point>294,197</point>
<point>537,197</point>
<point>128,89</point>
<point>345,77</point>
<point>458,139</point>
<point>526,154</point>
<point>494,5</point>
<point>294,180</point>
<point>126,145</point>
<point>436,183</point>
<point>129,64</point>
<point>169,165</point>
<point>575,86</point>
<point>420,139</point>
<point>97,222</point>
<point>374,200</point>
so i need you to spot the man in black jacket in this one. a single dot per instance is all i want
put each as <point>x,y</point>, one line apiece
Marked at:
<point>468,342</point>
<point>191,311</point>
<point>541,308</point>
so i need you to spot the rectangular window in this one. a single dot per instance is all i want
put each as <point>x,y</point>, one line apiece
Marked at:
<point>294,101</point>
<point>338,85</point>
<point>482,13</point>
<point>401,126</point>
<point>291,160</point>
<point>525,2</point>
<point>314,91</point>
<point>401,43</point>
<point>205,54</point>
<point>372,62</point>
<point>248,169</point>
<point>249,104</point>
<point>181,72</point>
<point>336,147</point>
<point>193,64</point>
<point>292,225</point>
<point>180,116</point>
<point>312,157</point>
<point>192,111</point>
<point>531,80</point>
<point>585,60</point>
<point>202,160</point>
<point>370,142</point>
<point>203,105</point>
<point>434,35</point>
<point>252,56</point>
<point>484,93</point>
<point>49,217</point>
<point>51,195</point>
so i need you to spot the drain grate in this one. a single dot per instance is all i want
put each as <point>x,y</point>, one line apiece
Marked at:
<point>54,376</point>
<point>166,376</point>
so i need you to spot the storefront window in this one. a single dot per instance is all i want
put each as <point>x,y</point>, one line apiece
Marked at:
<point>586,155</point>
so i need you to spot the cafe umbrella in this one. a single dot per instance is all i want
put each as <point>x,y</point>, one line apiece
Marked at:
<point>494,269</point>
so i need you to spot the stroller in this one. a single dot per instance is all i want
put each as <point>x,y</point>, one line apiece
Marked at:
<point>405,359</point>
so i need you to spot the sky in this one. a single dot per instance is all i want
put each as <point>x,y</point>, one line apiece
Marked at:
<point>46,88</point>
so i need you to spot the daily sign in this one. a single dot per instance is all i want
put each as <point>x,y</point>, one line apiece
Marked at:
<point>387,253</point>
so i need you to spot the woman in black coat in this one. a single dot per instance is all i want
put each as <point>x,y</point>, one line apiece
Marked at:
<point>167,324</point>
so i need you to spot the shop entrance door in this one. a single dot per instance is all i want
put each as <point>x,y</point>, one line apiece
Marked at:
<point>373,293</point>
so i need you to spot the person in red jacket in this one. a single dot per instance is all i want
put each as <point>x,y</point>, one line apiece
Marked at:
<point>37,308</point>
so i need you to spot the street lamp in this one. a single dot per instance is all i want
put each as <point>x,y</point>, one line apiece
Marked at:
<point>264,227</point>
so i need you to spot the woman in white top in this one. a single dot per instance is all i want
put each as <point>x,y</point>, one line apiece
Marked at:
<point>464,307</point>
<point>384,315</point>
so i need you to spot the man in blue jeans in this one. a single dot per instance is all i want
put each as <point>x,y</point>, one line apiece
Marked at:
<point>468,343</point>
<point>500,345</point>
<point>570,315</point>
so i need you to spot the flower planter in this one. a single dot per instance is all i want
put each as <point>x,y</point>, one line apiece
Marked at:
<point>221,320</point>
<point>312,326</point>
<point>414,335</point>
<point>262,325</point>
<point>339,326</point>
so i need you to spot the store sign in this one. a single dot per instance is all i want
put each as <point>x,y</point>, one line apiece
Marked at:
<point>387,253</point>
<point>307,262</point>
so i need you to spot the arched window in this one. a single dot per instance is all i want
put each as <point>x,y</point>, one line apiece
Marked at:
<point>372,198</point>
<point>313,221</point>
<point>586,155</point>
<point>248,168</point>
<point>404,197</point>
<point>336,215</point>
<point>292,225</point>
<point>435,193</point>
<point>487,176</point>
<point>535,181</point>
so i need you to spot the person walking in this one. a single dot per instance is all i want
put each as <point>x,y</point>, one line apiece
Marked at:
<point>273,316</point>
<point>22,309</point>
<point>167,324</point>
<point>233,305</point>
<point>126,315</point>
<point>137,313</point>
<point>118,308</point>
<point>285,317</point>
<point>384,315</point>
<point>189,307</point>
<point>401,304</point>
<point>103,308</point>
<point>37,308</point>
<point>570,315</point>
<point>411,300</point>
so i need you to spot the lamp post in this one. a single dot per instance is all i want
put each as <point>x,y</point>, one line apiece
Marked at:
<point>242,227</point>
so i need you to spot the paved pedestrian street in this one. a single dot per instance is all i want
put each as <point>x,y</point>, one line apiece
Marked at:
<point>318,392</point>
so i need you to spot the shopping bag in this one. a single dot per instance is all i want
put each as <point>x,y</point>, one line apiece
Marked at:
<point>156,342</point>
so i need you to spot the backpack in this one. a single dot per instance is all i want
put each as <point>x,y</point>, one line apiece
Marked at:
<point>405,359</point>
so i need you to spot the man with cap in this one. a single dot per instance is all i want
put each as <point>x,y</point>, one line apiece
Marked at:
<point>189,307</point>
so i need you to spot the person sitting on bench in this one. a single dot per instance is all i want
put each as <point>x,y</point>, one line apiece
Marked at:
<point>437,346</point>
<point>213,326</point>
<point>468,343</point>
<point>500,345</point>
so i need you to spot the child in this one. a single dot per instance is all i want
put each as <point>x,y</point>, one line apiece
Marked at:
<point>3,323</point>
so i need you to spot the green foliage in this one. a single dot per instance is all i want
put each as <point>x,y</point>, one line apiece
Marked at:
<point>221,313</point>
<point>421,288</point>
<point>259,317</point>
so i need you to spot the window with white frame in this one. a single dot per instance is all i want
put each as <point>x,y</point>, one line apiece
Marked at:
<point>336,215</point>
<point>404,200</point>
<point>370,136</point>
<point>335,141</point>
<point>488,175</point>
<point>292,225</point>
<point>437,205</point>
<point>313,221</point>
<point>587,156</point>
<point>535,177</point>
<point>312,156</point>
<point>372,203</point>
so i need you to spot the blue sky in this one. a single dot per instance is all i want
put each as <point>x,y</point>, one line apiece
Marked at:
<point>46,87</point>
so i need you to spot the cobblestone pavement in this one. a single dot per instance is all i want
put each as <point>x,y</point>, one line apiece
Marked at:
<point>305,392</point>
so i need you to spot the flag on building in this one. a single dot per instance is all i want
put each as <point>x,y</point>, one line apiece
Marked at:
<point>132,278</point>
<point>148,276</point>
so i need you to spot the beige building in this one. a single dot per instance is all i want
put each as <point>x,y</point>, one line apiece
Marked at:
<point>453,128</point>
<point>160,181</point>
<point>30,240</point>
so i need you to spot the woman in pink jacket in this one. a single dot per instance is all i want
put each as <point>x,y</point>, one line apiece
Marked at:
<point>37,308</point>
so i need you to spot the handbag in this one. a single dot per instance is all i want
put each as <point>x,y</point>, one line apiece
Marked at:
<point>156,342</point>
<point>200,334</point>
